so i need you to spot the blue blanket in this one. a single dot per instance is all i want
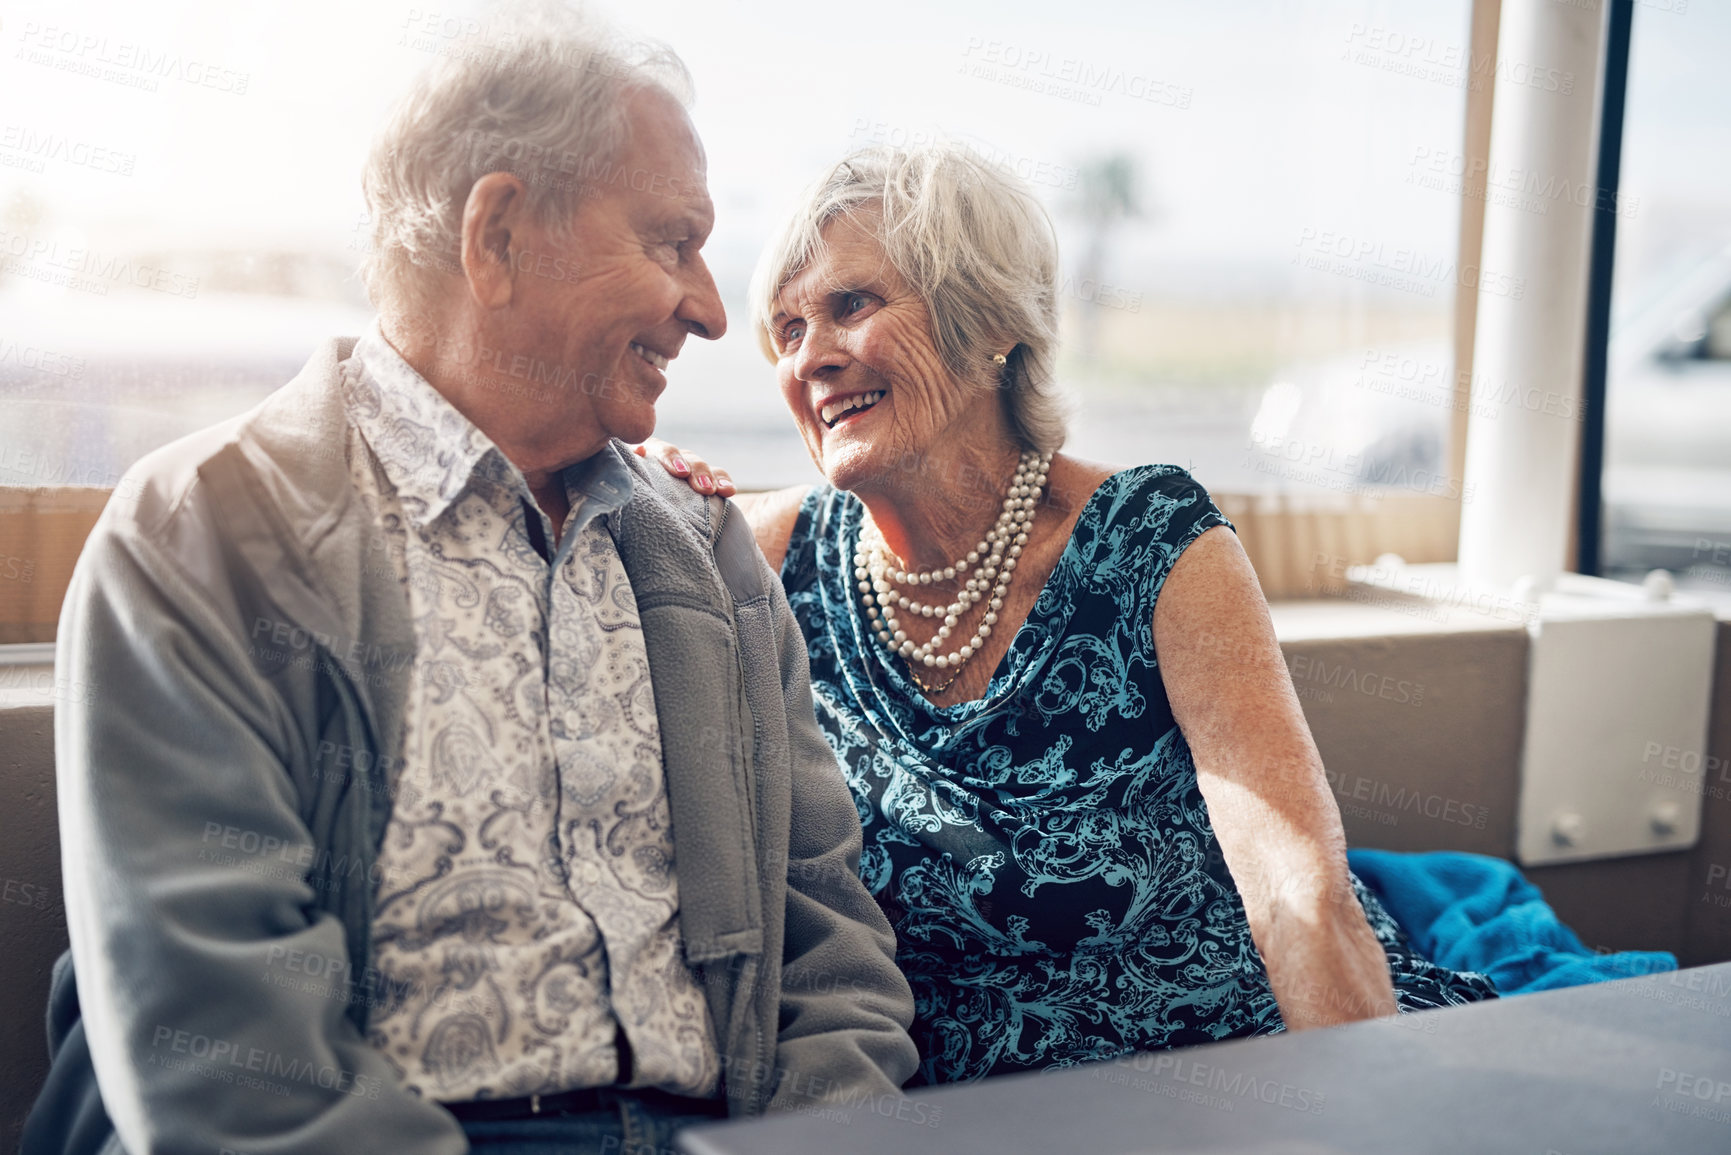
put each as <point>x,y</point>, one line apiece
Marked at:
<point>1474,913</point>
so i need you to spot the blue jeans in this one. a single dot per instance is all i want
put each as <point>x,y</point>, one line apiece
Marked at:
<point>627,1127</point>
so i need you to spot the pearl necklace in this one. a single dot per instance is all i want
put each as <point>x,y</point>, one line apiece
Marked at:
<point>877,571</point>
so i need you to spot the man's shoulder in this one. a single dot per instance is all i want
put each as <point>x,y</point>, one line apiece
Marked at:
<point>656,485</point>
<point>716,524</point>
<point>292,440</point>
<point>153,490</point>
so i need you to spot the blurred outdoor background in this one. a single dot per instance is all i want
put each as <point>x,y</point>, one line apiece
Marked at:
<point>1257,201</point>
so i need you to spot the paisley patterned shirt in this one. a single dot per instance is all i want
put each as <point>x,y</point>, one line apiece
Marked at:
<point>1044,852</point>
<point>526,927</point>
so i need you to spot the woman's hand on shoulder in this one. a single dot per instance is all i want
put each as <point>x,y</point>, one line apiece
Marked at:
<point>696,471</point>
<point>771,515</point>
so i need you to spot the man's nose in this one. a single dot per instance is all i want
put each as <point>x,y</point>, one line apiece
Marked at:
<point>701,307</point>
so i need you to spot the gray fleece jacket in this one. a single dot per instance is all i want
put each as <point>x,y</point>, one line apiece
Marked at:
<point>240,650</point>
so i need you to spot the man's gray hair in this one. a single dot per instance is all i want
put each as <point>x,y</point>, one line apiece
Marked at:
<point>540,93</point>
<point>972,241</point>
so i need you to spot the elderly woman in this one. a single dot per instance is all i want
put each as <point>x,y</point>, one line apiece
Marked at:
<point>1092,808</point>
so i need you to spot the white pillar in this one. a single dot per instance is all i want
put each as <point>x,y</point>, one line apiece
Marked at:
<point>1522,453</point>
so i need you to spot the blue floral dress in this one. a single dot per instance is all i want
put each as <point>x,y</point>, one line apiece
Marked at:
<point>1044,853</point>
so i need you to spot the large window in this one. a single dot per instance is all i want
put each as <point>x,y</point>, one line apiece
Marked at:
<point>1258,206</point>
<point>1667,472</point>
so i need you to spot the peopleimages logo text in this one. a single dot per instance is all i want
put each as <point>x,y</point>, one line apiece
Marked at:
<point>97,54</point>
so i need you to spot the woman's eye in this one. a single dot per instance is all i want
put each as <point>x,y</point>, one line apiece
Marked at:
<point>854,303</point>
<point>792,333</point>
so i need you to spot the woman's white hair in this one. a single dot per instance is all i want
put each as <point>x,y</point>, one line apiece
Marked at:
<point>538,91</point>
<point>972,241</point>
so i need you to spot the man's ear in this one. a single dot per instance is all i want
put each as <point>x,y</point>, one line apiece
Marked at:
<point>492,234</point>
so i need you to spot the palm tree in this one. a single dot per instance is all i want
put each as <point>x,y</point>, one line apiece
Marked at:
<point>1107,193</point>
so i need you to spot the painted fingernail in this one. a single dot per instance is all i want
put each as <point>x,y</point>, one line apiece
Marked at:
<point>703,481</point>
<point>679,465</point>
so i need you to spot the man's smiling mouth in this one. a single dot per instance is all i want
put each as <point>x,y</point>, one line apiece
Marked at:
<point>650,355</point>
<point>834,411</point>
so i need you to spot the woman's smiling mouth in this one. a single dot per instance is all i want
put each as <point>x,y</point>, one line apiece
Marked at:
<point>832,412</point>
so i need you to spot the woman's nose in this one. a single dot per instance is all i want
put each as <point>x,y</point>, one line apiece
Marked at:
<point>820,353</point>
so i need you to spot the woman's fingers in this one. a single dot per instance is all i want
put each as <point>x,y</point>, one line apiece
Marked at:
<point>702,476</point>
<point>666,453</point>
<point>697,471</point>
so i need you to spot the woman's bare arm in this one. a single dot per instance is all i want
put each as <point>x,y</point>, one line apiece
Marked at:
<point>1262,778</point>
<point>772,515</point>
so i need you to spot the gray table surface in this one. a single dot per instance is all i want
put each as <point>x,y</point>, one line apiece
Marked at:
<point>1639,1065</point>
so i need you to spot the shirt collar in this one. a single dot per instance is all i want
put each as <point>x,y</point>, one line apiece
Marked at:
<point>601,484</point>
<point>432,453</point>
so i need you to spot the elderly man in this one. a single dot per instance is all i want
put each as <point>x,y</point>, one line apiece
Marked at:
<point>452,779</point>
